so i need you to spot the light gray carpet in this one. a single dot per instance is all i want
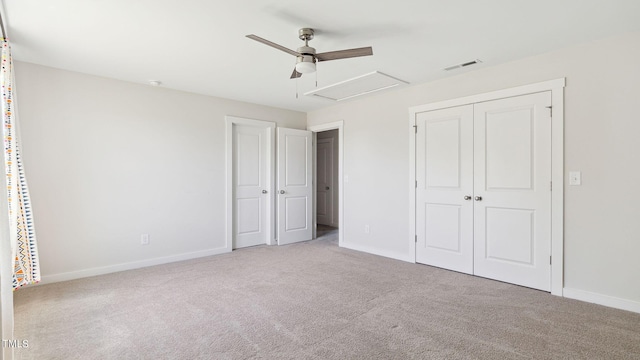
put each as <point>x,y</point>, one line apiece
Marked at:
<point>311,300</point>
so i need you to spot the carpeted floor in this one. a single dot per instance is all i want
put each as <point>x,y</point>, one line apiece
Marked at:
<point>311,300</point>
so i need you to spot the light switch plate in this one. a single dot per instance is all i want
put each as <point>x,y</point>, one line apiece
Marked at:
<point>575,178</point>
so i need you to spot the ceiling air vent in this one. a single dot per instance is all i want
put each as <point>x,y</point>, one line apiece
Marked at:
<point>459,66</point>
<point>361,85</point>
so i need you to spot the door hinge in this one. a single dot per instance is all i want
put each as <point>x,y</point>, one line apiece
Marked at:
<point>416,238</point>
<point>550,185</point>
<point>550,109</point>
<point>415,129</point>
<point>416,184</point>
<point>549,260</point>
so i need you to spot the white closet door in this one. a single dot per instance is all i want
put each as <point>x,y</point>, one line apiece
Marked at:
<point>294,185</point>
<point>444,174</point>
<point>250,183</point>
<point>512,194</point>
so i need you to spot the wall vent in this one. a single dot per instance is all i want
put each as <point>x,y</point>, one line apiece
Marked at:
<point>357,86</point>
<point>468,63</point>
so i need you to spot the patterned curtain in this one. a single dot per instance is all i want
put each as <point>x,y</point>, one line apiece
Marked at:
<point>23,237</point>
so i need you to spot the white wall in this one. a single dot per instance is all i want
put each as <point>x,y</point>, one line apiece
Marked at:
<point>602,127</point>
<point>108,160</point>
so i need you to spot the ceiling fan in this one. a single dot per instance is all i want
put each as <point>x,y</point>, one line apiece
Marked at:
<point>306,56</point>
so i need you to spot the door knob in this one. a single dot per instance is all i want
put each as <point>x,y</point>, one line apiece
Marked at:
<point>467,197</point>
<point>478,198</point>
<point>326,188</point>
<point>264,191</point>
<point>281,191</point>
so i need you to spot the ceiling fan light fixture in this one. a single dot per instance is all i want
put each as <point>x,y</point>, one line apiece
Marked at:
<point>305,64</point>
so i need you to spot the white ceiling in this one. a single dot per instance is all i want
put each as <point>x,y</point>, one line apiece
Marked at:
<point>200,45</point>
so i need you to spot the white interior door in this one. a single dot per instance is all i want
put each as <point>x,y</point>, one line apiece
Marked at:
<point>512,192</point>
<point>325,186</point>
<point>294,185</point>
<point>444,174</point>
<point>250,185</point>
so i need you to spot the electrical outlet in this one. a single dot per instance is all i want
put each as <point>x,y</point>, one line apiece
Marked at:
<point>144,239</point>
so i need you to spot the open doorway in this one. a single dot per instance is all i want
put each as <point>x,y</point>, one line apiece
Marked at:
<point>328,184</point>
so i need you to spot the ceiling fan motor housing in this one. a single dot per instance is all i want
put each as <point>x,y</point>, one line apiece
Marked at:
<point>307,50</point>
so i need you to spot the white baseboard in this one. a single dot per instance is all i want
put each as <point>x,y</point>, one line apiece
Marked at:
<point>606,300</point>
<point>374,251</point>
<point>72,275</point>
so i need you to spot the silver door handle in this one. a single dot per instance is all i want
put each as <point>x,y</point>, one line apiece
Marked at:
<point>478,198</point>
<point>281,191</point>
<point>467,197</point>
<point>264,191</point>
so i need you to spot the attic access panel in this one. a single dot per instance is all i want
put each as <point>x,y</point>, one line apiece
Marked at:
<point>357,86</point>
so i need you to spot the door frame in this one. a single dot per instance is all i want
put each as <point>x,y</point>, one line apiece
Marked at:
<point>557,165</point>
<point>230,121</point>
<point>315,129</point>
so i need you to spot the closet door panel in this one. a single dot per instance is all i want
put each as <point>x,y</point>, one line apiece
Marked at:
<point>444,165</point>
<point>512,194</point>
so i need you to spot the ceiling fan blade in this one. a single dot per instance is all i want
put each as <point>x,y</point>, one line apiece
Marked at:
<point>295,74</point>
<point>272,44</point>
<point>344,54</point>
